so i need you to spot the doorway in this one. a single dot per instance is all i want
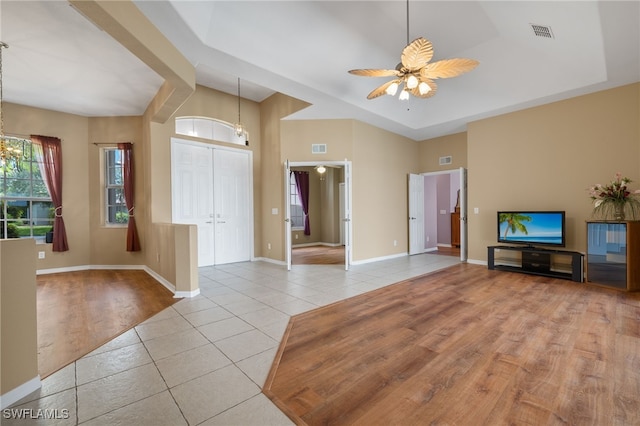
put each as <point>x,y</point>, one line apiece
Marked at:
<point>438,213</point>
<point>325,238</point>
<point>212,188</point>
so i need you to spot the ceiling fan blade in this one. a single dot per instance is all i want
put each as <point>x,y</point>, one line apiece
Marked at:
<point>375,73</point>
<point>381,90</point>
<point>417,54</point>
<point>448,68</point>
<point>432,84</point>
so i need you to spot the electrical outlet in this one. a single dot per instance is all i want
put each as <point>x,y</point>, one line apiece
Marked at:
<point>296,236</point>
<point>395,243</point>
<point>427,238</point>
<point>40,255</point>
<point>268,246</point>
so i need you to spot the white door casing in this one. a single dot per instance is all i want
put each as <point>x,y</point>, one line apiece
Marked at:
<point>287,214</point>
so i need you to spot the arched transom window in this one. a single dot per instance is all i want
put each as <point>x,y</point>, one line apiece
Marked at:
<point>210,128</point>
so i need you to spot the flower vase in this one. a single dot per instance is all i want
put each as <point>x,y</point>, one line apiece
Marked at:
<point>618,211</point>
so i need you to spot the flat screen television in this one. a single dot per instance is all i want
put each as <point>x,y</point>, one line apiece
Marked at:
<point>533,228</point>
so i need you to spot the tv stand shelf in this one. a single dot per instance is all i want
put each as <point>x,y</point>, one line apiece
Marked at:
<point>568,265</point>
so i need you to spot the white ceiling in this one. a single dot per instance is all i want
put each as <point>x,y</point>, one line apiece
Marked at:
<point>59,60</point>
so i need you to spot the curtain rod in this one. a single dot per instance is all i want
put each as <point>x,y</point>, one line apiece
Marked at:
<point>110,143</point>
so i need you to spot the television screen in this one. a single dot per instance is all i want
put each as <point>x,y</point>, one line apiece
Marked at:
<point>532,228</point>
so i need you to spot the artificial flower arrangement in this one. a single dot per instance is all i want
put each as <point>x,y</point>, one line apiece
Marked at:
<point>614,200</point>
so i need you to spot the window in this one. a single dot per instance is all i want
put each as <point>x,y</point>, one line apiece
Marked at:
<point>26,209</point>
<point>210,128</point>
<point>116,212</point>
<point>297,215</point>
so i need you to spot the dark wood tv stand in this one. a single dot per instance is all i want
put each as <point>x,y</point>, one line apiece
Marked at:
<point>568,265</point>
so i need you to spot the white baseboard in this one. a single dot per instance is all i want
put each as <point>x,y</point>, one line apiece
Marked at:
<point>160,279</point>
<point>378,259</point>
<point>266,259</point>
<point>145,268</point>
<point>186,294</point>
<point>477,262</point>
<point>16,394</point>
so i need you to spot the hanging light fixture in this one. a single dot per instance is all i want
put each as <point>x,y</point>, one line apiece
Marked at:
<point>8,144</point>
<point>415,74</point>
<point>238,127</point>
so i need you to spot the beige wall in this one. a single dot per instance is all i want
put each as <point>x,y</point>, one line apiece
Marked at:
<point>73,131</point>
<point>18,329</point>
<point>157,183</point>
<point>545,157</point>
<point>108,244</point>
<point>381,163</point>
<point>431,150</point>
<point>272,110</point>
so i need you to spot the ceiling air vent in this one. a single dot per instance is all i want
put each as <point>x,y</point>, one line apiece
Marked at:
<point>446,160</point>
<point>542,31</point>
<point>319,148</point>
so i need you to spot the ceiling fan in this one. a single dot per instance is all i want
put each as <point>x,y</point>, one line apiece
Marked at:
<point>414,73</point>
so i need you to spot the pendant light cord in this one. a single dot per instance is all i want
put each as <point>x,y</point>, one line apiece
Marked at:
<point>238,99</point>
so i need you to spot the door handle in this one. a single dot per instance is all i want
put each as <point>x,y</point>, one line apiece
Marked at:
<point>221,221</point>
<point>209,221</point>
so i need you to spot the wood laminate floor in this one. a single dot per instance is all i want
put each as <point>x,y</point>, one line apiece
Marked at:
<point>80,311</point>
<point>317,255</point>
<point>464,346</point>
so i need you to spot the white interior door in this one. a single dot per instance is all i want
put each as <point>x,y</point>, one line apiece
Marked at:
<point>287,214</point>
<point>233,206</point>
<point>463,215</point>
<point>416,214</point>
<point>346,220</point>
<point>192,186</point>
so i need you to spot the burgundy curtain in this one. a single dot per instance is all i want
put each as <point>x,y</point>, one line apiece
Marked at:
<point>52,162</point>
<point>302,183</point>
<point>133,242</point>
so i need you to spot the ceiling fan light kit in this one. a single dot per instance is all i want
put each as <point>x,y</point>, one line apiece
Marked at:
<point>414,71</point>
<point>415,74</point>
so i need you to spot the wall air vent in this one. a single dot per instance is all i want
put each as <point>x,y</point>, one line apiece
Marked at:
<point>446,160</point>
<point>542,30</point>
<point>319,148</point>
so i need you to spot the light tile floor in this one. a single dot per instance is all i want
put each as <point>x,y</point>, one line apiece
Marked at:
<point>204,360</point>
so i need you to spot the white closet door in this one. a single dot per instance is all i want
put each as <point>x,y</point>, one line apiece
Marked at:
<point>192,184</point>
<point>232,201</point>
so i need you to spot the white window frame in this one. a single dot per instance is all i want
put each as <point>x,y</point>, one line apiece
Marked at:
<point>211,129</point>
<point>107,186</point>
<point>294,201</point>
<point>30,200</point>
